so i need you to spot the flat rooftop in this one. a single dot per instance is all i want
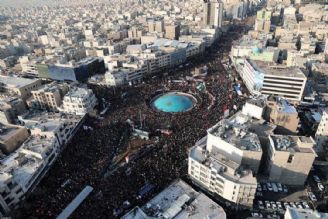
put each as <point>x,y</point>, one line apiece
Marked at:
<point>277,70</point>
<point>8,131</point>
<point>224,166</point>
<point>237,131</point>
<point>16,82</point>
<point>283,104</point>
<point>179,200</point>
<point>290,143</point>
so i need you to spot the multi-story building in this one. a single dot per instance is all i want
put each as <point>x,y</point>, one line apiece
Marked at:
<point>186,202</point>
<point>49,97</point>
<point>172,31</point>
<point>290,158</point>
<point>10,107</point>
<point>73,71</point>
<point>213,13</point>
<point>221,176</point>
<point>156,25</point>
<point>12,137</point>
<point>224,162</point>
<point>282,114</point>
<point>79,101</point>
<point>23,169</point>
<point>135,32</point>
<point>263,78</point>
<point>296,213</point>
<point>263,21</point>
<point>19,86</point>
<point>321,136</point>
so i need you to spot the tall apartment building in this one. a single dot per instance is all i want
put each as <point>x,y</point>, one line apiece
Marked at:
<point>79,101</point>
<point>172,31</point>
<point>262,78</point>
<point>282,114</point>
<point>135,32</point>
<point>290,158</point>
<point>156,25</point>
<point>49,97</point>
<point>213,13</point>
<point>263,21</point>
<point>321,136</point>
<point>224,161</point>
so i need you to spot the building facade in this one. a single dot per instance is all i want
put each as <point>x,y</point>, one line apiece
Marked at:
<point>213,13</point>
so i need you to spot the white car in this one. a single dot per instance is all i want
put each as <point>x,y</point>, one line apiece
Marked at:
<point>312,197</point>
<point>306,205</point>
<point>274,206</point>
<point>267,205</point>
<point>321,187</point>
<point>260,204</point>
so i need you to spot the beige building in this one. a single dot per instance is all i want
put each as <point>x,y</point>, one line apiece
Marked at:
<point>226,161</point>
<point>290,158</point>
<point>135,32</point>
<point>282,114</point>
<point>172,31</point>
<point>10,107</point>
<point>20,86</point>
<point>49,96</point>
<point>12,137</point>
<point>263,21</point>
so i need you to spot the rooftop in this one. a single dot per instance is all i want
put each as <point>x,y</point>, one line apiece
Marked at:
<point>290,143</point>
<point>277,70</point>
<point>222,165</point>
<point>15,82</point>
<point>179,200</point>
<point>238,130</point>
<point>283,104</point>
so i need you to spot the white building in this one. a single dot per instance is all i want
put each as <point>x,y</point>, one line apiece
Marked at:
<point>23,169</point>
<point>321,136</point>
<point>179,200</point>
<point>224,161</point>
<point>263,78</point>
<point>255,107</point>
<point>79,101</point>
<point>296,213</point>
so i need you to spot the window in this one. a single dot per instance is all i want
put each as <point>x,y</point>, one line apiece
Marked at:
<point>290,158</point>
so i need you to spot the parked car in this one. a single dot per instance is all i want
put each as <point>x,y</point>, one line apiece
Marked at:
<point>259,188</point>
<point>286,205</point>
<point>292,204</point>
<point>316,178</point>
<point>259,194</point>
<point>306,206</point>
<point>280,189</point>
<point>298,205</point>
<point>274,206</point>
<point>274,187</point>
<point>269,187</point>
<point>264,188</point>
<point>285,188</point>
<point>267,204</point>
<point>312,197</point>
<point>260,204</point>
<point>321,187</point>
<point>279,205</point>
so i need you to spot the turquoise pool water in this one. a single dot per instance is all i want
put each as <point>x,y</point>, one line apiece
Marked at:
<point>173,103</point>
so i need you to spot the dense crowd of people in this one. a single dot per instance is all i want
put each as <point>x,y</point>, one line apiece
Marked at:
<point>90,152</point>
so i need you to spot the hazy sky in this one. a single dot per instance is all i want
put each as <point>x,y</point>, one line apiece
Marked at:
<point>26,3</point>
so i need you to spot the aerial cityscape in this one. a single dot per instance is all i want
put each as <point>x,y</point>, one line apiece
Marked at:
<point>168,109</point>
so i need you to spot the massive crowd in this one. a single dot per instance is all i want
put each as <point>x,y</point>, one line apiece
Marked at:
<point>90,152</point>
